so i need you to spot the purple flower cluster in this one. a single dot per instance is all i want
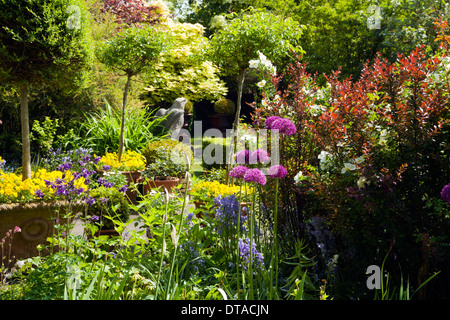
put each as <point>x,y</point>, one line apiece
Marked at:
<point>64,188</point>
<point>244,253</point>
<point>195,260</point>
<point>255,175</point>
<point>238,172</point>
<point>270,121</point>
<point>277,172</point>
<point>285,126</point>
<point>259,156</point>
<point>242,157</point>
<point>445,193</point>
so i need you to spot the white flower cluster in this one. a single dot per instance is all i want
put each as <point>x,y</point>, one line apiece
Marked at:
<point>263,63</point>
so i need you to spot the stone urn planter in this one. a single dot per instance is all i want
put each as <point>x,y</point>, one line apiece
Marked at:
<point>36,221</point>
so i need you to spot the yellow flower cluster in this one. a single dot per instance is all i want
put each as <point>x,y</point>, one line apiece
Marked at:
<point>213,189</point>
<point>131,161</point>
<point>13,189</point>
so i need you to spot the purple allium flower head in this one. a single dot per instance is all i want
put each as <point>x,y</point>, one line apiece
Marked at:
<point>259,156</point>
<point>277,172</point>
<point>39,194</point>
<point>285,126</point>
<point>95,218</point>
<point>445,193</point>
<point>242,157</point>
<point>238,172</point>
<point>255,175</point>
<point>123,188</point>
<point>270,120</point>
<point>103,200</point>
<point>106,167</point>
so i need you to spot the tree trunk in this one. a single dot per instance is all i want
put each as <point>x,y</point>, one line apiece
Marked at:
<point>229,158</point>
<point>122,127</point>
<point>25,123</point>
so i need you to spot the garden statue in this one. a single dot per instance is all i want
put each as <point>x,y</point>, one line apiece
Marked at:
<point>175,116</point>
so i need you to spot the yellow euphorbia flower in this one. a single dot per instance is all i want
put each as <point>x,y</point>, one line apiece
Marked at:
<point>131,161</point>
<point>214,189</point>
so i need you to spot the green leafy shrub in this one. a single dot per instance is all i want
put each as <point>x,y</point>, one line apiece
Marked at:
<point>210,145</point>
<point>183,71</point>
<point>165,166</point>
<point>153,151</point>
<point>100,131</point>
<point>109,201</point>
<point>224,106</point>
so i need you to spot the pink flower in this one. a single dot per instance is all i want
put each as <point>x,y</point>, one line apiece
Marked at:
<point>277,172</point>
<point>242,157</point>
<point>17,229</point>
<point>270,120</point>
<point>445,193</point>
<point>238,172</point>
<point>285,126</point>
<point>259,156</point>
<point>255,175</point>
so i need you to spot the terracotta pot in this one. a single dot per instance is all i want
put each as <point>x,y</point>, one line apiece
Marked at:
<point>132,177</point>
<point>156,184</point>
<point>36,221</point>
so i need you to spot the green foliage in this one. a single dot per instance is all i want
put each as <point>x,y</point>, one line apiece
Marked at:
<point>209,147</point>
<point>239,41</point>
<point>166,165</point>
<point>183,70</point>
<point>177,148</point>
<point>45,133</point>
<point>409,24</point>
<point>133,50</point>
<point>100,131</point>
<point>224,106</point>
<point>167,158</point>
<point>110,205</point>
<point>43,41</point>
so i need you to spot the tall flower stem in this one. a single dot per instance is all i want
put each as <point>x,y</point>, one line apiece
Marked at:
<point>274,260</point>
<point>237,240</point>
<point>163,245</point>
<point>252,223</point>
<point>178,232</point>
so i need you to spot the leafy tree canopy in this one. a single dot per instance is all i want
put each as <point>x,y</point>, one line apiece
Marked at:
<point>44,41</point>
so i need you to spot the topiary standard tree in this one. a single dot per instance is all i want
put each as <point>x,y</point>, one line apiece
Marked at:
<point>42,42</point>
<point>132,51</point>
<point>239,41</point>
